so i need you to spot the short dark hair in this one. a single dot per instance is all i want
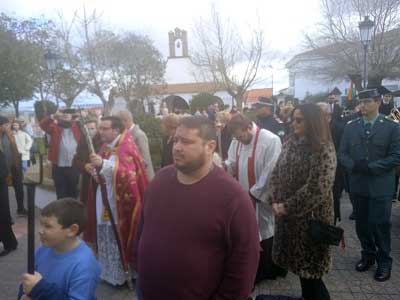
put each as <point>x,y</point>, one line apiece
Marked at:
<point>68,211</point>
<point>238,121</point>
<point>204,125</point>
<point>116,122</point>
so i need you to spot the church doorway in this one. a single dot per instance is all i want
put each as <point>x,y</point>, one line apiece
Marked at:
<point>176,104</point>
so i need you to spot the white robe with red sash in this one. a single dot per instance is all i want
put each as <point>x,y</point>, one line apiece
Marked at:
<point>255,162</point>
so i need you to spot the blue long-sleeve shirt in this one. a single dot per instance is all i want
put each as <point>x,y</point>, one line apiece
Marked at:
<point>72,275</point>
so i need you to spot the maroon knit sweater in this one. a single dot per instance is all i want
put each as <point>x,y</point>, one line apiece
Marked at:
<point>198,241</point>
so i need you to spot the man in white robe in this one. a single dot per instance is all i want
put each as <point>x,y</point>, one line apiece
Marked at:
<point>252,156</point>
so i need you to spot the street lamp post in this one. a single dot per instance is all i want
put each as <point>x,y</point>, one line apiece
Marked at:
<point>366,27</point>
<point>272,86</point>
<point>52,64</point>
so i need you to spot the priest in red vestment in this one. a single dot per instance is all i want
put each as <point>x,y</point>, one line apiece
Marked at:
<point>119,165</point>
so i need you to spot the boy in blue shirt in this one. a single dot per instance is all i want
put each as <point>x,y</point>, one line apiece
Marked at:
<point>65,267</point>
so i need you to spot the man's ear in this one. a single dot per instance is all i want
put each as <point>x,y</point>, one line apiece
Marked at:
<point>212,145</point>
<point>73,230</point>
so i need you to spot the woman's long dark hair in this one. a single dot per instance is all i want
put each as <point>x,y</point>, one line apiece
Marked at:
<point>317,130</point>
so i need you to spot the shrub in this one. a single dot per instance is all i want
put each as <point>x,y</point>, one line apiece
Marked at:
<point>152,127</point>
<point>202,101</point>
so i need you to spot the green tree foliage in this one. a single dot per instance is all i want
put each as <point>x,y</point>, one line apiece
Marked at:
<point>201,102</point>
<point>135,64</point>
<point>89,57</point>
<point>315,98</point>
<point>18,75</point>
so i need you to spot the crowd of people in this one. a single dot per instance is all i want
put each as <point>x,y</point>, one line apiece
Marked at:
<point>230,207</point>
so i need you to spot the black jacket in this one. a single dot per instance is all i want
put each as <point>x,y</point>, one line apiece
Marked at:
<point>5,217</point>
<point>271,124</point>
<point>385,109</point>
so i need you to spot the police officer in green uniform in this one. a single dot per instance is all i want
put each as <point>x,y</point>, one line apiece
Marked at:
<point>265,116</point>
<point>370,150</point>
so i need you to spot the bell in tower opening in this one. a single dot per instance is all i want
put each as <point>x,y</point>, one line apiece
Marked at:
<point>178,44</point>
<point>178,48</point>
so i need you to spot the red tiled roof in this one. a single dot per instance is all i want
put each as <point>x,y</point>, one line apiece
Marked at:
<point>186,88</point>
<point>252,95</point>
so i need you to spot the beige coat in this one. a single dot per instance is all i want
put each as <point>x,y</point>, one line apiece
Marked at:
<point>24,143</point>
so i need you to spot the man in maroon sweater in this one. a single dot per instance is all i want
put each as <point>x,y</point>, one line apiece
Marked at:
<point>198,238</point>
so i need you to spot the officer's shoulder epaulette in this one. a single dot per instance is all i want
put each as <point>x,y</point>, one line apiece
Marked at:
<point>353,121</point>
<point>388,119</point>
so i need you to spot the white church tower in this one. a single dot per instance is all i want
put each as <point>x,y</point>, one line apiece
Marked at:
<point>178,43</point>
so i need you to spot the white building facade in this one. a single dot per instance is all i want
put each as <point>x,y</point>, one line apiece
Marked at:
<point>303,82</point>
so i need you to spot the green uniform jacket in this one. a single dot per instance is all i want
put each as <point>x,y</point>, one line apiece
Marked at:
<point>381,149</point>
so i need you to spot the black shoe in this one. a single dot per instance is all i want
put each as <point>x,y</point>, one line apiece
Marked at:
<point>364,264</point>
<point>7,251</point>
<point>352,216</point>
<point>281,272</point>
<point>382,275</point>
<point>22,212</point>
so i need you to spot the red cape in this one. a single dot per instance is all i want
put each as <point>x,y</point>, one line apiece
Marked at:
<point>130,181</point>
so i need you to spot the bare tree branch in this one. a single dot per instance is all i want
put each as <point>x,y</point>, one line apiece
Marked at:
<point>338,44</point>
<point>225,58</point>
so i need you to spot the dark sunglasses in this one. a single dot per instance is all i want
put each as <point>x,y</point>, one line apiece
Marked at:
<point>298,120</point>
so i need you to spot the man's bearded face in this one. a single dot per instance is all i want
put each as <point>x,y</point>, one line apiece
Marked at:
<point>190,150</point>
<point>244,136</point>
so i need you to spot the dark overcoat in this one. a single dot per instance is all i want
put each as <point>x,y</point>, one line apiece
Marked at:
<point>302,180</point>
<point>5,217</point>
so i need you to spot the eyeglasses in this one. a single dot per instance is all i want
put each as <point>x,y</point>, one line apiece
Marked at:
<point>298,120</point>
<point>104,128</point>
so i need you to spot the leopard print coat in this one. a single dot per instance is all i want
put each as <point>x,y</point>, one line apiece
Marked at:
<point>302,181</point>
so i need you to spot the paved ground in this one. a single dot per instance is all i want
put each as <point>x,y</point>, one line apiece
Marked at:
<point>343,282</point>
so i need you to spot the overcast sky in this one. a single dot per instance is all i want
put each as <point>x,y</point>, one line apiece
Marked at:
<point>284,21</point>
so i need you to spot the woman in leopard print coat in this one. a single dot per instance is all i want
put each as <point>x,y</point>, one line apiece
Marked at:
<point>300,188</point>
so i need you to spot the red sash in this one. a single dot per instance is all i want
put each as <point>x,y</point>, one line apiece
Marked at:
<point>250,162</point>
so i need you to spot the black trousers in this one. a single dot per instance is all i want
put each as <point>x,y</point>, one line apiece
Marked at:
<point>337,190</point>
<point>66,181</point>
<point>267,269</point>
<point>17,178</point>
<point>7,236</point>
<point>373,227</point>
<point>314,289</point>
